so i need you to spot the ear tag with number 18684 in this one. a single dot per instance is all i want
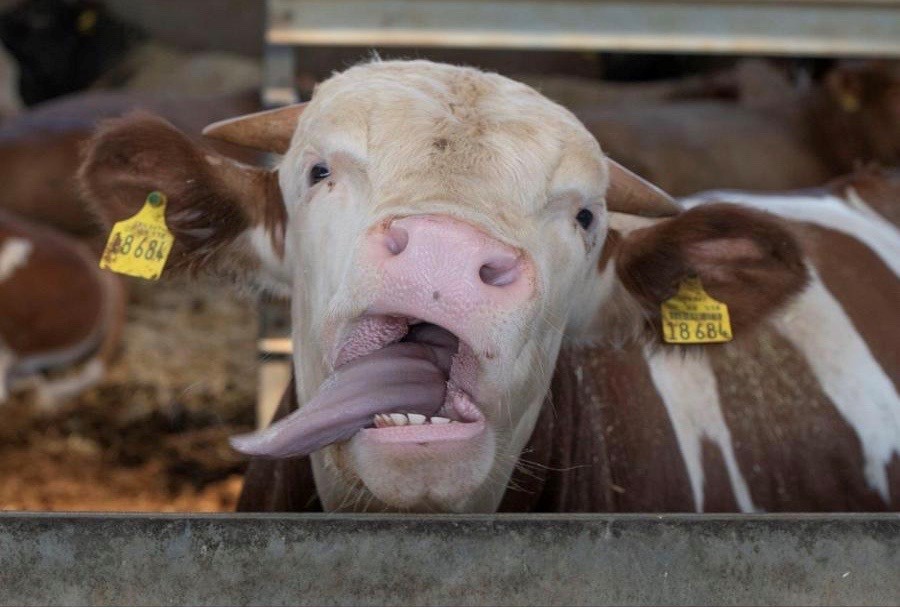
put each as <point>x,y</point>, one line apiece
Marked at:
<point>693,317</point>
<point>139,246</point>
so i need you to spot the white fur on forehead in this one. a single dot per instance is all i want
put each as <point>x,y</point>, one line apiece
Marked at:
<point>428,130</point>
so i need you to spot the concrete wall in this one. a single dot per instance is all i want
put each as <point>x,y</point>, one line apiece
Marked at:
<point>429,560</point>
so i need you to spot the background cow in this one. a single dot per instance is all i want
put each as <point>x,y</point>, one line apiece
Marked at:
<point>778,138</point>
<point>58,311</point>
<point>472,226</point>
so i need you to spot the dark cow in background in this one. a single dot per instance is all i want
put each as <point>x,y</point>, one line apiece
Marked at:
<point>484,330</point>
<point>777,138</point>
<point>58,312</point>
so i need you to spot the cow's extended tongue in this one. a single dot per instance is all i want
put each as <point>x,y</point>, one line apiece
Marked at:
<point>407,377</point>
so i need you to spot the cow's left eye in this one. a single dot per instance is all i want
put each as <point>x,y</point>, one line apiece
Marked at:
<point>318,173</point>
<point>585,218</point>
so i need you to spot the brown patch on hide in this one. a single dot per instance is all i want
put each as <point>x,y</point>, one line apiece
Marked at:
<point>717,493</point>
<point>893,474</point>
<point>280,485</point>
<point>606,441</point>
<point>795,449</point>
<point>878,187</point>
<point>441,144</point>
<point>55,299</point>
<point>868,297</point>
<point>610,250</point>
<point>38,175</point>
<point>212,200</point>
<point>744,258</point>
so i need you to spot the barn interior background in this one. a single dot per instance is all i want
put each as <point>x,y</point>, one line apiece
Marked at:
<point>184,373</point>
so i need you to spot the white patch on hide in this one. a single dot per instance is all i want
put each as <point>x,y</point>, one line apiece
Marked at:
<point>855,201</point>
<point>14,254</point>
<point>849,375</point>
<point>687,386</point>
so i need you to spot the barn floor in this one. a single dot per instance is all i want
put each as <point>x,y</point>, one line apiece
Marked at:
<point>153,435</point>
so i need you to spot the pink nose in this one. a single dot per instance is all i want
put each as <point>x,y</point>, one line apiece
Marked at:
<point>452,261</point>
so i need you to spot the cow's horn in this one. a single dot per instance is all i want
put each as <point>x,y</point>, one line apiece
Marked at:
<point>634,195</point>
<point>269,131</point>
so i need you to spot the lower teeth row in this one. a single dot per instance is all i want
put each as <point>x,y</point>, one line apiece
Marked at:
<point>385,420</point>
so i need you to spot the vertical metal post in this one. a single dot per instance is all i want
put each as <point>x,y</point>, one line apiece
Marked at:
<point>278,76</point>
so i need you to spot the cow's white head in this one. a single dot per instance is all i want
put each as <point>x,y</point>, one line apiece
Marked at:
<point>439,231</point>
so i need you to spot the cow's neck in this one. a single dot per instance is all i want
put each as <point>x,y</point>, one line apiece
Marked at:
<point>564,467</point>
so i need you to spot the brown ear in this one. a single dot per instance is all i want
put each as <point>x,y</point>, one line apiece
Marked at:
<point>269,131</point>
<point>212,200</point>
<point>744,258</point>
<point>629,193</point>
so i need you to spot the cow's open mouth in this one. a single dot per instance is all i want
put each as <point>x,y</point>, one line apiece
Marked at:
<point>397,379</point>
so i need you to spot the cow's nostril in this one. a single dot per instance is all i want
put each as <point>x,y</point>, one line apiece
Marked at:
<point>396,239</point>
<point>500,272</point>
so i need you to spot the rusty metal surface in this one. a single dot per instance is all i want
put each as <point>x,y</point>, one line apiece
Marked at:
<point>439,560</point>
<point>792,27</point>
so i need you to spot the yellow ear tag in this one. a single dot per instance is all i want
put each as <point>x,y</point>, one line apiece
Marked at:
<point>139,246</point>
<point>693,317</point>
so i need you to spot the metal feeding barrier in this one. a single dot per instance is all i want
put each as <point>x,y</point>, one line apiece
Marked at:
<point>449,560</point>
<point>830,28</point>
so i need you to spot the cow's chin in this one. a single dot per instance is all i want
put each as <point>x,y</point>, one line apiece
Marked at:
<point>436,459</point>
<point>413,476</point>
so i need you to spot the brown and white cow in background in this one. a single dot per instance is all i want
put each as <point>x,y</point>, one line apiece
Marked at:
<point>776,138</point>
<point>40,150</point>
<point>442,232</point>
<point>58,312</point>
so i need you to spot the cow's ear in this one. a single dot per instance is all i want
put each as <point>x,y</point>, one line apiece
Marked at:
<point>213,202</point>
<point>744,258</point>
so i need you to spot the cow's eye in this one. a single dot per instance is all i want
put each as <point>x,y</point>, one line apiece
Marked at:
<point>318,173</point>
<point>585,218</point>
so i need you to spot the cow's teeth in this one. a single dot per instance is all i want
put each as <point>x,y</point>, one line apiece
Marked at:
<point>440,420</point>
<point>380,421</point>
<point>399,419</point>
<point>416,419</point>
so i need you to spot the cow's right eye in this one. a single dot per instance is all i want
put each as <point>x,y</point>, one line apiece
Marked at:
<point>318,173</point>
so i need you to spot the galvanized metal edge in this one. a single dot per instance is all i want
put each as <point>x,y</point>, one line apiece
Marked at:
<point>165,559</point>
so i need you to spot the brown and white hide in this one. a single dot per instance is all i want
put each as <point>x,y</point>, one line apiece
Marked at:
<point>804,140</point>
<point>59,313</point>
<point>798,414</point>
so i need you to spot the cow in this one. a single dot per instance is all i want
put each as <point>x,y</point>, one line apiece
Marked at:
<point>852,116</point>
<point>40,150</point>
<point>60,315</point>
<point>453,243</point>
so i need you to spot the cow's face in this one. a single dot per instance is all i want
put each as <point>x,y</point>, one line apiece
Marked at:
<point>437,229</point>
<point>434,204</point>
